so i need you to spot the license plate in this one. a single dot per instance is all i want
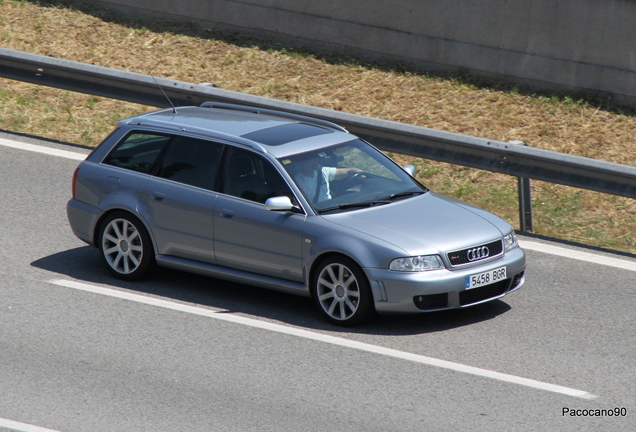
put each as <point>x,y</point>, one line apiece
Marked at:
<point>485,278</point>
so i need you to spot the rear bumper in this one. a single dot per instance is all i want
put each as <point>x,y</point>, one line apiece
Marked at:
<point>397,292</point>
<point>82,218</point>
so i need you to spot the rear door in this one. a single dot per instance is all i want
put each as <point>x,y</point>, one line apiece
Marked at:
<point>178,202</point>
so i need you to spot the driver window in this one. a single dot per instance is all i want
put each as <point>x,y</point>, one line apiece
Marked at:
<point>252,177</point>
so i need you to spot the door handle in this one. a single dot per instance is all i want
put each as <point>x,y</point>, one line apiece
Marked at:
<point>157,196</point>
<point>226,213</point>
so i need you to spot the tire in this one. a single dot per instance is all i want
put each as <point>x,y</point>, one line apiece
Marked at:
<point>341,291</point>
<point>125,246</point>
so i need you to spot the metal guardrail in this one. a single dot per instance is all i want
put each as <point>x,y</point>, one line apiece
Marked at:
<point>496,156</point>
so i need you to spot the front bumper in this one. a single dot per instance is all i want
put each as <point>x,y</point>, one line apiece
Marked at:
<point>406,292</point>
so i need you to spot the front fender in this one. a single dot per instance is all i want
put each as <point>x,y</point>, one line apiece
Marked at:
<point>322,238</point>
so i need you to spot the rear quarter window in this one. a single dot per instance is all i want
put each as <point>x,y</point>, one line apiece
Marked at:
<point>138,151</point>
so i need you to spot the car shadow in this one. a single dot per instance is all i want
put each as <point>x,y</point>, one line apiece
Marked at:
<point>84,264</point>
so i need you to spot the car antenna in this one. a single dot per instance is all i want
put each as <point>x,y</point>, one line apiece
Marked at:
<point>174,110</point>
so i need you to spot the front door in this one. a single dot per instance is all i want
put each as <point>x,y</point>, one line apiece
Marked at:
<point>248,237</point>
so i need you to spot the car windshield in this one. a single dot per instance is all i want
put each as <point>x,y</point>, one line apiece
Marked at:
<point>349,176</point>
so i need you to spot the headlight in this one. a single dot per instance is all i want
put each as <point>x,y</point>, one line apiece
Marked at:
<point>510,241</point>
<point>417,263</point>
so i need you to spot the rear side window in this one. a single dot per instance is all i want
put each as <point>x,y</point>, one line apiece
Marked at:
<point>138,151</point>
<point>192,161</point>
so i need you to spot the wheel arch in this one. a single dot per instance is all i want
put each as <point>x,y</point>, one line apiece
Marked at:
<point>365,304</point>
<point>326,255</point>
<point>364,250</point>
<point>112,210</point>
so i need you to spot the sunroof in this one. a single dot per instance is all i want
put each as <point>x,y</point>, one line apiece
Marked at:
<point>288,132</point>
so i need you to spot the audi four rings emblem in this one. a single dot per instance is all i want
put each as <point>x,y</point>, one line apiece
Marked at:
<point>478,253</point>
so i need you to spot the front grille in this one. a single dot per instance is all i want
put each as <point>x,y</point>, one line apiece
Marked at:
<point>431,301</point>
<point>475,253</point>
<point>477,295</point>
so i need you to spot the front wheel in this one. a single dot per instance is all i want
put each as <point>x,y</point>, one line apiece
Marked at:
<point>341,290</point>
<point>125,246</point>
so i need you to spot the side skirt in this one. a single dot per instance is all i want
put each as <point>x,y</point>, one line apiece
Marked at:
<point>232,275</point>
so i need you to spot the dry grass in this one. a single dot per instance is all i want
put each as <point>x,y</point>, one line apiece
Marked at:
<point>564,123</point>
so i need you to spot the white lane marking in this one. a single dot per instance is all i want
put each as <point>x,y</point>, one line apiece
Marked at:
<point>224,316</point>
<point>41,149</point>
<point>22,427</point>
<point>624,264</point>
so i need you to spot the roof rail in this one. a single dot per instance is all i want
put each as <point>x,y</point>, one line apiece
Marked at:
<point>256,110</point>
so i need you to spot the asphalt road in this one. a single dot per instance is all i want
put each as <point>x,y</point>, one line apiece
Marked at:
<point>81,351</point>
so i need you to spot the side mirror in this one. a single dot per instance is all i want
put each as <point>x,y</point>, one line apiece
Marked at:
<point>279,203</point>
<point>411,170</point>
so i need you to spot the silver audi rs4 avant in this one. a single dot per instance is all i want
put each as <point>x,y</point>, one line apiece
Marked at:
<point>289,203</point>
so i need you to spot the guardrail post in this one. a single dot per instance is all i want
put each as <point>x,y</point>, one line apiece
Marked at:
<point>525,199</point>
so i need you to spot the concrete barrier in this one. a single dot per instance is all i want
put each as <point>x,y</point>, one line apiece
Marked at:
<point>585,45</point>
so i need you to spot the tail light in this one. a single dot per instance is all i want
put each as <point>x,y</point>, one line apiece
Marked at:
<point>74,184</point>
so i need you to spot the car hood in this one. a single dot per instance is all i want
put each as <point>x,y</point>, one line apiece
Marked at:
<point>425,224</point>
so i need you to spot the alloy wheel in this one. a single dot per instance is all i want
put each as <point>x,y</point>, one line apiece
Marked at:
<point>338,291</point>
<point>122,246</point>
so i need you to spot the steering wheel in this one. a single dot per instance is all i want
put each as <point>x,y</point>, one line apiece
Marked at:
<point>354,180</point>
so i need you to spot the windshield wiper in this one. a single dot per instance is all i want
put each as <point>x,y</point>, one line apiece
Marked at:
<point>353,205</point>
<point>404,194</point>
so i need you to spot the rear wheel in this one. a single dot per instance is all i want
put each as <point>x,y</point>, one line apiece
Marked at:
<point>341,290</point>
<point>125,246</point>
